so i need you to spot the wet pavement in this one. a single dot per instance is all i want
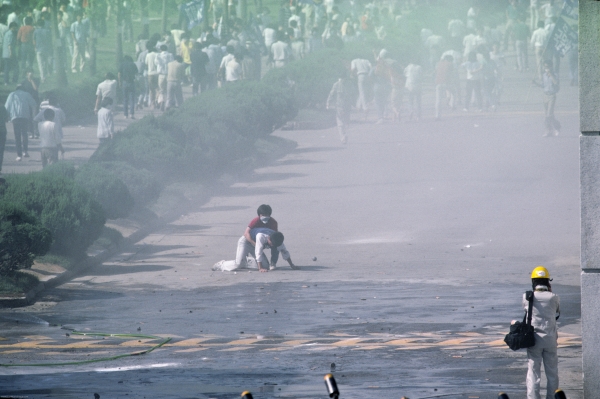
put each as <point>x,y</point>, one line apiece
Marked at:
<point>424,236</point>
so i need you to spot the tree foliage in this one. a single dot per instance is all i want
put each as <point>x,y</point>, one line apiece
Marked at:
<point>22,238</point>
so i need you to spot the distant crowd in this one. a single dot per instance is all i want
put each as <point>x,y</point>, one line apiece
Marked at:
<point>466,58</point>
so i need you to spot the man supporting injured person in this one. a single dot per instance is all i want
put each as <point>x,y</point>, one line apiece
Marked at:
<point>264,238</point>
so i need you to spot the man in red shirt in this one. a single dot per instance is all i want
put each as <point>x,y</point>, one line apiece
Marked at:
<point>246,244</point>
<point>25,40</point>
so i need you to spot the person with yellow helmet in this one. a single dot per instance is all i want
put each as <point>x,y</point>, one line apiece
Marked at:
<point>545,312</point>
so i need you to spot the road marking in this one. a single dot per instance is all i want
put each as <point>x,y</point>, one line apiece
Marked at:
<point>85,346</point>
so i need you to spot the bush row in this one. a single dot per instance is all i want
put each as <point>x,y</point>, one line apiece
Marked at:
<point>209,134</point>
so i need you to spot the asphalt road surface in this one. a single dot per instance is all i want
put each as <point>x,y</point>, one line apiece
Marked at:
<point>424,236</point>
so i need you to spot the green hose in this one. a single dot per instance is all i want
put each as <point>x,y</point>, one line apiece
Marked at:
<point>102,359</point>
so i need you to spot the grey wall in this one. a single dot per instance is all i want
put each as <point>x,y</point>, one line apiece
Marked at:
<point>589,62</point>
<point>589,78</point>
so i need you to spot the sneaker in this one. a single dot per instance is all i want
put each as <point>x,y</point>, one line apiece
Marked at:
<point>26,155</point>
<point>18,159</point>
<point>217,266</point>
<point>272,267</point>
<point>295,267</point>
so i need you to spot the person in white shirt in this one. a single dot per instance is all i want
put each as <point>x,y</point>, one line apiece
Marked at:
<point>221,74</point>
<point>59,115</point>
<point>280,52</point>
<point>264,238</point>
<point>269,34</point>
<point>270,239</point>
<point>106,127</point>
<point>162,61</point>
<point>545,311</point>
<point>107,88</point>
<point>152,73</point>
<point>233,70</point>
<point>50,140</point>
<point>361,68</point>
<point>414,83</point>
<point>538,41</point>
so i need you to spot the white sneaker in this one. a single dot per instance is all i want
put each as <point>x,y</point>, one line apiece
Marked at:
<point>18,159</point>
<point>272,267</point>
<point>217,266</point>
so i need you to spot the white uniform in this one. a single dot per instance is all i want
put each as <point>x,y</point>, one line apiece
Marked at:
<point>546,306</point>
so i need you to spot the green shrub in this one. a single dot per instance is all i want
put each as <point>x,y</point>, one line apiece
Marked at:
<point>73,217</point>
<point>61,168</point>
<point>250,109</point>
<point>17,283</point>
<point>312,77</point>
<point>207,135</point>
<point>22,238</point>
<point>142,185</point>
<point>107,189</point>
<point>143,145</point>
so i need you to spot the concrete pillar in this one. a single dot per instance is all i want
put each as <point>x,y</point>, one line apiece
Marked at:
<point>589,78</point>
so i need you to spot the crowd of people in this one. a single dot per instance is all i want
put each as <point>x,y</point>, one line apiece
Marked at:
<point>465,58</point>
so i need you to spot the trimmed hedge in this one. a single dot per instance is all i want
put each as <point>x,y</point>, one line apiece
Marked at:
<point>22,238</point>
<point>73,217</point>
<point>102,183</point>
<point>141,184</point>
<point>207,135</point>
<point>107,189</point>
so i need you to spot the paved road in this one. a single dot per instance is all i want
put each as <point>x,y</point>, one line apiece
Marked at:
<point>424,235</point>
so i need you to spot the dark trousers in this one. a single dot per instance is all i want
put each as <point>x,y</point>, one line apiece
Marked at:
<point>20,128</point>
<point>128,98</point>
<point>27,55</point>
<point>2,143</point>
<point>197,84</point>
<point>11,65</point>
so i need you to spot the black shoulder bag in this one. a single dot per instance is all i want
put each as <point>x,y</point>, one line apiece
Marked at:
<point>521,333</point>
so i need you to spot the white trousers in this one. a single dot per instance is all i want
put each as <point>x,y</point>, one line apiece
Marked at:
<point>244,248</point>
<point>543,351</point>
<point>361,103</point>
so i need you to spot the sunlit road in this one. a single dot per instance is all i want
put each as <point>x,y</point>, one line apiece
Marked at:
<point>424,236</point>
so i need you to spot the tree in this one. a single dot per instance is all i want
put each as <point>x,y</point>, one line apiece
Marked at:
<point>119,33</point>
<point>94,24</point>
<point>164,17</point>
<point>22,238</point>
<point>58,48</point>
<point>244,10</point>
<point>145,18</point>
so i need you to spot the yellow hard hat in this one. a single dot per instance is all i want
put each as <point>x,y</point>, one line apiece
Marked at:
<point>540,272</point>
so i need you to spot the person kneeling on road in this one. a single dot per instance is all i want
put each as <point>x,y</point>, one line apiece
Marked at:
<point>264,238</point>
